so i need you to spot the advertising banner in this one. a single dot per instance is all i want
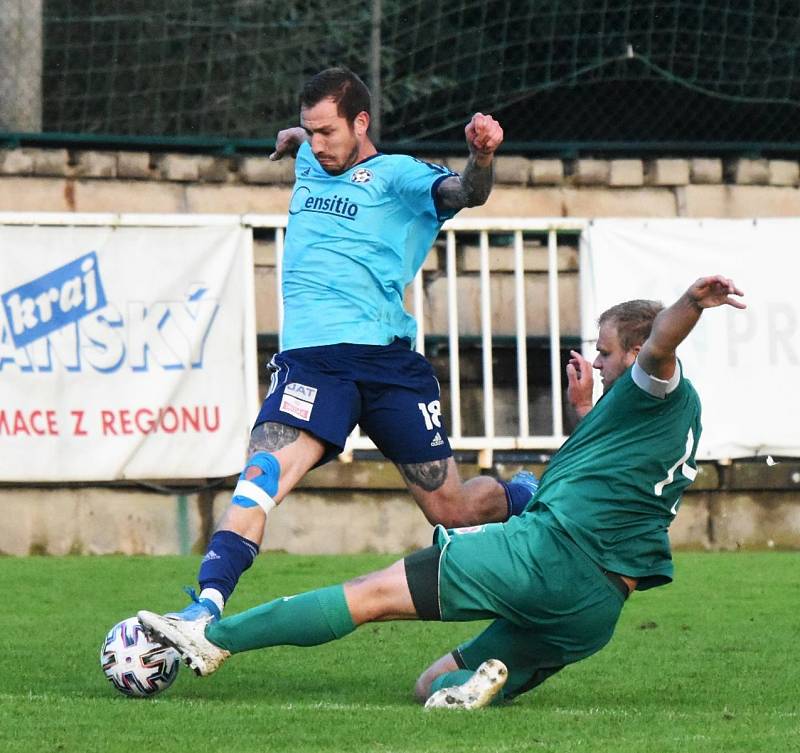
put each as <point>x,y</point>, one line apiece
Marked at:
<point>744,364</point>
<point>125,352</point>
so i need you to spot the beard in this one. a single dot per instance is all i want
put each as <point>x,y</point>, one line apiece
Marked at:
<point>349,161</point>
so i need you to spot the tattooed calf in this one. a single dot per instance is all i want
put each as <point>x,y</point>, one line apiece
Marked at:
<point>429,476</point>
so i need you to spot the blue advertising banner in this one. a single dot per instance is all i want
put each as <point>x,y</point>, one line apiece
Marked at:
<point>125,352</point>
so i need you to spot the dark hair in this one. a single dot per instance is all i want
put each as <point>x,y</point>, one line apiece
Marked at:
<point>346,89</point>
<point>633,320</point>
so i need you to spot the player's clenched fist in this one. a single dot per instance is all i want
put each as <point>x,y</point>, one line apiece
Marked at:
<point>484,134</point>
<point>288,142</point>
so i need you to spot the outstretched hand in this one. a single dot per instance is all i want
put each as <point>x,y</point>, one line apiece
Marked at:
<point>672,325</point>
<point>580,383</point>
<point>484,135</point>
<point>288,142</point>
<point>708,292</point>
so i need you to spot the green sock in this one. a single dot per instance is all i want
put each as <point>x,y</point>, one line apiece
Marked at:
<point>451,679</point>
<point>458,677</point>
<point>307,619</point>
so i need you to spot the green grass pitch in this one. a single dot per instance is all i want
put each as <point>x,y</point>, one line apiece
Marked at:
<point>708,663</point>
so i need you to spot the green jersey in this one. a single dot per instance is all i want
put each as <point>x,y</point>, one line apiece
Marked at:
<point>615,485</point>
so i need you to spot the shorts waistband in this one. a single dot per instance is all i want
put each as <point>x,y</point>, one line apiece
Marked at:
<point>350,349</point>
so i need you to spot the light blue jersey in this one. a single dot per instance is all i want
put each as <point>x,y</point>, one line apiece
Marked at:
<point>353,243</point>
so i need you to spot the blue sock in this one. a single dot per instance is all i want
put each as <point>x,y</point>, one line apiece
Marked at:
<point>227,557</point>
<point>517,497</point>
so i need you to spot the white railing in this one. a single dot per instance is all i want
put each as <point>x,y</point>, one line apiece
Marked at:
<point>488,440</point>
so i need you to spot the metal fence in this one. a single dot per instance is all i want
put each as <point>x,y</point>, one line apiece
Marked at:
<point>611,75</point>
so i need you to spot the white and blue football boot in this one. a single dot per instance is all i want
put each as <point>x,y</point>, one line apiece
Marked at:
<point>198,609</point>
<point>185,632</point>
<point>526,479</point>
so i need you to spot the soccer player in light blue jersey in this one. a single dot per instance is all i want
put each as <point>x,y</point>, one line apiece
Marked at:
<point>360,225</point>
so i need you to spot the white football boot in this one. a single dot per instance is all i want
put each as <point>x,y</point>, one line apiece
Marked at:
<point>187,637</point>
<point>475,693</point>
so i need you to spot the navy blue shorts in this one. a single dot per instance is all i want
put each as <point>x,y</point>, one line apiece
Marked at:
<point>390,391</point>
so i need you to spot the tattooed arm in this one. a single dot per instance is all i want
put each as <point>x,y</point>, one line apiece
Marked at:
<point>472,187</point>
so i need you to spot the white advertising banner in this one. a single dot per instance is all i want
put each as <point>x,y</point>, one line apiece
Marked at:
<point>125,352</point>
<point>744,364</point>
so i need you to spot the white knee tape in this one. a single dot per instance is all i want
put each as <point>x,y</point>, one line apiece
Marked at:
<point>249,490</point>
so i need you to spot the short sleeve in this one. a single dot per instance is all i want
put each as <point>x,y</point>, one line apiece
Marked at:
<point>416,182</point>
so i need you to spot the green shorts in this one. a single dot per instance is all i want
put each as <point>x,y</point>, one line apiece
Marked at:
<point>554,606</point>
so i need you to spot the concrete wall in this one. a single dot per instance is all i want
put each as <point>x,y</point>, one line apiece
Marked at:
<point>363,506</point>
<point>59,180</point>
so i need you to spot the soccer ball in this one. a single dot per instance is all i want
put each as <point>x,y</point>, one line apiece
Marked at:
<point>135,665</point>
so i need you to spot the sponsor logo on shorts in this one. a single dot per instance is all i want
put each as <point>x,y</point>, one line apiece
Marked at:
<point>437,441</point>
<point>297,408</point>
<point>309,394</point>
<point>298,400</point>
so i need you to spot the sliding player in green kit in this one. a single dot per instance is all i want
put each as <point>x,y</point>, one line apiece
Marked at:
<point>556,577</point>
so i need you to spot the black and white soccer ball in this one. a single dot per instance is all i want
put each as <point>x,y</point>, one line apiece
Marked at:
<point>133,664</point>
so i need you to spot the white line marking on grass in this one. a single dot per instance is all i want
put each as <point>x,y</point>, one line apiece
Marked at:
<point>174,698</point>
<point>32,697</point>
<point>596,711</point>
<point>669,713</point>
<point>328,706</point>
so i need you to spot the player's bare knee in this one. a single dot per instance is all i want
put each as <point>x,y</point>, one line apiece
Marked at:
<point>367,598</point>
<point>448,511</point>
<point>381,595</point>
<point>422,687</point>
